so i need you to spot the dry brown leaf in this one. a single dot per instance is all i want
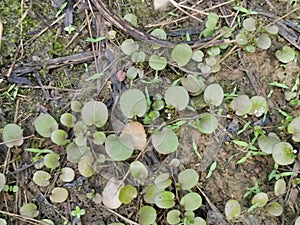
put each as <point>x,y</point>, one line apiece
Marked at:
<point>137,132</point>
<point>110,194</point>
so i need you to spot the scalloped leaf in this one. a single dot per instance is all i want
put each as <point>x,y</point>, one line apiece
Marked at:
<point>275,209</point>
<point>99,138</point>
<point>207,124</point>
<point>193,84</point>
<point>165,199</point>
<point>165,141</point>
<point>147,215</point>
<point>12,135</point>
<point>286,54</point>
<point>45,124</point>
<point>129,46</point>
<point>119,148</point>
<point>59,195</point>
<point>68,119</point>
<point>259,106</point>
<point>127,193</point>
<point>163,181</point>
<point>294,129</point>
<point>241,105</point>
<point>260,198</point>
<point>280,187</point>
<point>41,178</point>
<point>133,103</point>
<point>191,201</point>
<point>214,94</point>
<point>131,18</point>
<point>263,41</point>
<point>157,63</point>
<point>232,209</point>
<point>249,24</point>
<point>283,153</point>
<point>177,96</point>
<point>173,217</point>
<point>51,160</point>
<point>266,143</point>
<point>138,171</point>
<point>188,178</point>
<point>67,174</point>
<point>29,210</point>
<point>94,113</point>
<point>181,54</point>
<point>85,165</point>
<point>75,152</point>
<point>59,137</point>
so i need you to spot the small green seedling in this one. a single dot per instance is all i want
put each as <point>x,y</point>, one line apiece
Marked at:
<point>78,212</point>
<point>70,29</point>
<point>255,189</point>
<point>11,188</point>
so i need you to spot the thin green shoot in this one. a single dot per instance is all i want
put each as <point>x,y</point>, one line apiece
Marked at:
<point>279,85</point>
<point>39,151</point>
<point>212,168</point>
<point>195,148</point>
<point>252,190</point>
<point>62,7</point>
<point>245,127</point>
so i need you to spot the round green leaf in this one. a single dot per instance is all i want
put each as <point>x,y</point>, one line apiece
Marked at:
<point>129,46</point>
<point>12,135</point>
<point>207,123</point>
<point>85,165</point>
<point>280,187</point>
<point>119,148</point>
<point>41,178</point>
<point>51,160</point>
<point>2,181</point>
<point>99,138</point>
<point>68,119</point>
<point>191,201</point>
<point>131,18</point>
<point>214,94</point>
<point>163,181</point>
<point>181,54</point>
<point>138,57</point>
<point>263,41</point>
<point>205,69</point>
<point>159,33</point>
<point>150,192</point>
<point>259,106</point>
<point>165,141</point>
<point>193,85</point>
<point>241,105</point>
<point>45,124</point>
<point>294,128</point>
<point>3,221</point>
<point>46,222</point>
<point>133,103</point>
<point>76,106</point>
<point>59,195</point>
<point>283,153</point>
<point>272,29</point>
<point>249,24</point>
<point>147,215</point>
<point>131,73</point>
<point>198,221</point>
<point>266,143</point>
<point>173,217</point>
<point>260,198</point>
<point>198,56</point>
<point>127,193</point>
<point>75,152</point>
<point>188,178</point>
<point>29,210</point>
<point>241,39</point>
<point>94,113</point>
<point>165,199</point>
<point>275,209</point>
<point>67,174</point>
<point>177,96</point>
<point>139,171</point>
<point>286,55</point>
<point>59,137</point>
<point>157,63</point>
<point>232,209</point>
